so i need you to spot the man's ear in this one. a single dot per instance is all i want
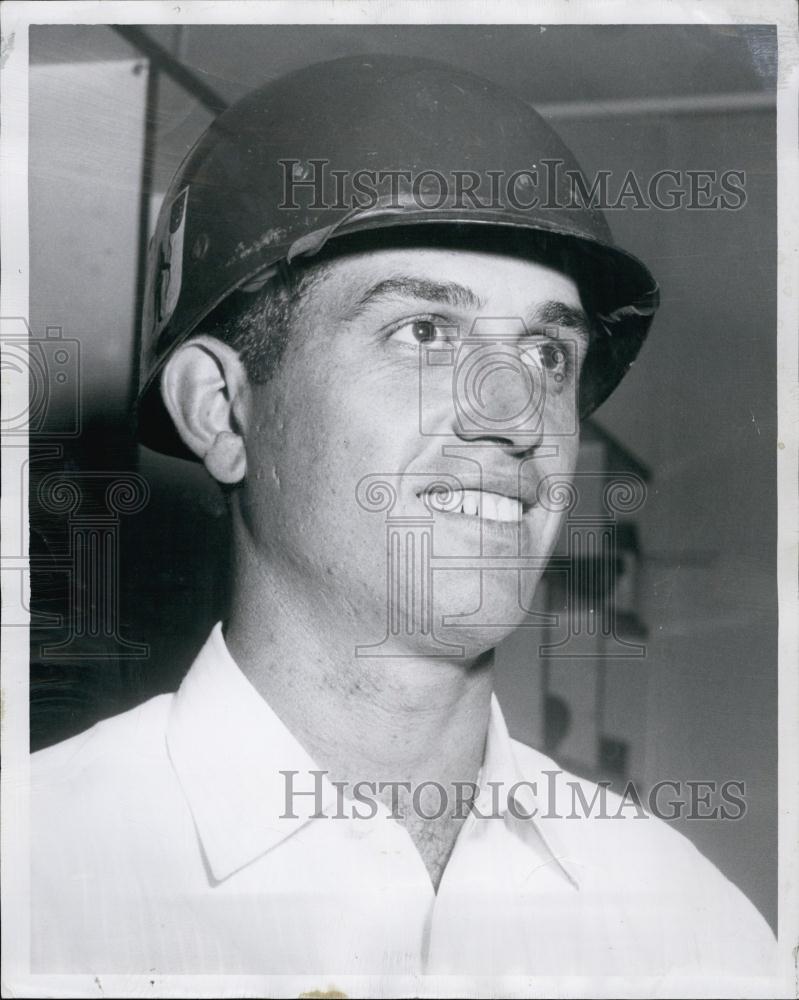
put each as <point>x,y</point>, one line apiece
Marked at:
<point>207,394</point>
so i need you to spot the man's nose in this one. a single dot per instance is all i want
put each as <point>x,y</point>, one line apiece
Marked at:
<point>499,395</point>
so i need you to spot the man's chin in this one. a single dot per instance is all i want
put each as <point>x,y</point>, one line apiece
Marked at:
<point>478,616</point>
<point>463,614</point>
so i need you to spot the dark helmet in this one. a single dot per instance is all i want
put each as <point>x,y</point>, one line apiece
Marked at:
<point>365,143</point>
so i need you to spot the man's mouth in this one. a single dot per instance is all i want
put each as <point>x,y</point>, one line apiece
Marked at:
<point>480,503</point>
<point>490,506</point>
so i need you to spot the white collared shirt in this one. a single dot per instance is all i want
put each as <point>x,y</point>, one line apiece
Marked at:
<point>160,844</point>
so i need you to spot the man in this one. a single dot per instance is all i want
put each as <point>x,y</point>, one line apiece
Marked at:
<point>377,327</point>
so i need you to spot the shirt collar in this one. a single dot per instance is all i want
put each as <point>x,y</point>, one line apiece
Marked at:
<point>529,789</point>
<point>228,749</point>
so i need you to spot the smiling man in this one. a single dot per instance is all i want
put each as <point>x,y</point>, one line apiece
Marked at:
<point>333,790</point>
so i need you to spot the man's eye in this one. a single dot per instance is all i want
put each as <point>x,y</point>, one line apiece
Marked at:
<point>422,331</point>
<point>551,355</point>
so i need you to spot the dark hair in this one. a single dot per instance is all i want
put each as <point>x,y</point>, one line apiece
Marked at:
<point>258,323</point>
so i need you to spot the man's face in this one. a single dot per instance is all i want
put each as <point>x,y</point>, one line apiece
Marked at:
<point>418,367</point>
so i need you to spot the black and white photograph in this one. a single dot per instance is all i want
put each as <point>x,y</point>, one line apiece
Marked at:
<point>399,499</point>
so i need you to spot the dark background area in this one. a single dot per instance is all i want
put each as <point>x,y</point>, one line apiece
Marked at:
<point>135,584</point>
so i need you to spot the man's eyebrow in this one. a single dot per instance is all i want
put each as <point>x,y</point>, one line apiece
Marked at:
<point>447,292</point>
<point>556,313</point>
<point>550,313</point>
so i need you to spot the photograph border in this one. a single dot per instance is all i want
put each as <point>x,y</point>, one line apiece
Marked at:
<point>16,17</point>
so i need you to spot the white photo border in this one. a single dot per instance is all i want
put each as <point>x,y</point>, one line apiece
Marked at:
<point>17,16</point>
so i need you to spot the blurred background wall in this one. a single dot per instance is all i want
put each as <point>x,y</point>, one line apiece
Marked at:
<point>109,123</point>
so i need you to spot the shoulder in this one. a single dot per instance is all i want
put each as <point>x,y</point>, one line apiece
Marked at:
<point>104,802</point>
<point>109,829</point>
<point>134,733</point>
<point>603,825</point>
<point>116,766</point>
<point>619,850</point>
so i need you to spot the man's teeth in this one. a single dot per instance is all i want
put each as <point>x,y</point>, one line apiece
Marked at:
<point>490,506</point>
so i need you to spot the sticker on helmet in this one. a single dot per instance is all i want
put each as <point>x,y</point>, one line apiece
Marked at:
<point>170,260</point>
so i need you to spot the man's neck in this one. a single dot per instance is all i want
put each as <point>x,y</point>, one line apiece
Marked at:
<point>410,719</point>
